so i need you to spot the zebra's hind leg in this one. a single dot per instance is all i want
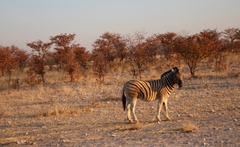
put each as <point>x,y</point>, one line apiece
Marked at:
<point>129,112</point>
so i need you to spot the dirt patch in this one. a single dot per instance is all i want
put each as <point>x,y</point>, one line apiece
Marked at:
<point>205,112</point>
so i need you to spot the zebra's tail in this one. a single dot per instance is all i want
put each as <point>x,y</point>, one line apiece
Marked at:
<point>123,101</point>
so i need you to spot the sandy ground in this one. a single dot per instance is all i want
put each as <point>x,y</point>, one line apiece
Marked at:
<point>205,112</point>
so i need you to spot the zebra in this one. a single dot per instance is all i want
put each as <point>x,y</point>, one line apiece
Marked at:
<point>150,90</point>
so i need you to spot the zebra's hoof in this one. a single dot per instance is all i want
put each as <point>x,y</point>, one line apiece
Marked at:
<point>136,121</point>
<point>131,122</point>
<point>168,119</point>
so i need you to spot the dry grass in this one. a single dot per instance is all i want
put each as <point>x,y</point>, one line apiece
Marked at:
<point>186,128</point>
<point>64,111</point>
<point>60,113</point>
<point>133,127</point>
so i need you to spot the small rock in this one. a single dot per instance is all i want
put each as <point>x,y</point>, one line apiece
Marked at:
<point>206,144</point>
<point>66,140</point>
<point>228,129</point>
<point>235,119</point>
<point>212,111</point>
<point>113,135</point>
<point>22,142</point>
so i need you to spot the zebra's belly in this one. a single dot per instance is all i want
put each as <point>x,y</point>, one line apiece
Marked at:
<point>151,97</point>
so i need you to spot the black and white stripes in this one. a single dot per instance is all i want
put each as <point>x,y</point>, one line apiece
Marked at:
<point>150,90</point>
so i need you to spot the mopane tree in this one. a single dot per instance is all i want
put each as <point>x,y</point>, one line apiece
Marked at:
<point>197,47</point>
<point>82,56</point>
<point>64,46</point>
<point>232,36</point>
<point>162,44</point>
<point>38,59</point>
<point>137,52</point>
<point>106,50</point>
<point>152,48</point>
<point>112,45</point>
<point>187,48</point>
<point>167,44</point>
<point>99,65</point>
<point>21,57</point>
<point>220,55</point>
<point>4,58</point>
<point>71,65</point>
<point>8,60</point>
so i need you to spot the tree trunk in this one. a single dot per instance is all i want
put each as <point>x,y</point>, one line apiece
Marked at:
<point>2,72</point>
<point>192,72</point>
<point>43,79</point>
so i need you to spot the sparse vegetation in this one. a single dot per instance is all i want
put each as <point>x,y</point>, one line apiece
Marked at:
<point>88,113</point>
<point>135,53</point>
<point>57,111</point>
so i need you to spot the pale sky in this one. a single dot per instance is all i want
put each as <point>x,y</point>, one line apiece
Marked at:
<point>25,21</point>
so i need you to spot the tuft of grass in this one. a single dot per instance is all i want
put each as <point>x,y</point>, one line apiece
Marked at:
<point>2,113</point>
<point>61,110</point>
<point>136,126</point>
<point>64,111</point>
<point>186,128</point>
<point>233,74</point>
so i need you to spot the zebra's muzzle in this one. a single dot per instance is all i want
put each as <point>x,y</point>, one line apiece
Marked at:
<point>180,85</point>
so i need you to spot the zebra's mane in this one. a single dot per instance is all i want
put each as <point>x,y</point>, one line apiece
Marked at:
<point>175,70</point>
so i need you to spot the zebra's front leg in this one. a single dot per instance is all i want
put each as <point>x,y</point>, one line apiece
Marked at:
<point>159,107</point>
<point>134,101</point>
<point>166,109</point>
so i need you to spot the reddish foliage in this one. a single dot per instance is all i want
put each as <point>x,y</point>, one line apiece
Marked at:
<point>109,47</point>
<point>197,47</point>
<point>38,59</point>
<point>82,56</point>
<point>66,57</point>
<point>8,61</point>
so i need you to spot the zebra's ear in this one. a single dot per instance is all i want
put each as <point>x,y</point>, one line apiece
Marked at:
<point>175,69</point>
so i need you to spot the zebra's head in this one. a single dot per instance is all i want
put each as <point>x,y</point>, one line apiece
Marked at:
<point>178,77</point>
<point>174,75</point>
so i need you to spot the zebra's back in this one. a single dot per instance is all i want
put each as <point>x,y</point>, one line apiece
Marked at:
<point>144,90</point>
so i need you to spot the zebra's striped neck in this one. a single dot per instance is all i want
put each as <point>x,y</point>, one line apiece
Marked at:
<point>167,84</point>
